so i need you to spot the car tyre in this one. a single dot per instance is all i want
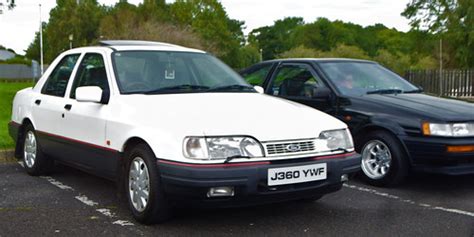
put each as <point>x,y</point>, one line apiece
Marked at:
<point>384,160</point>
<point>143,187</point>
<point>36,163</point>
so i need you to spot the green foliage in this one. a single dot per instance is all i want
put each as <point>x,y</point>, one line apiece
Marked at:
<point>204,24</point>
<point>7,92</point>
<point>398,62</point>
<point>17,60</point>
<point>324,38</point>
<point>276,39</point>
<point>301,52</point>
<point>451,20</point>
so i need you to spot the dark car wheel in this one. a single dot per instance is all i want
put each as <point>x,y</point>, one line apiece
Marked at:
<point>143,187</point>
<point>384,162</point>
<point>34,160</point>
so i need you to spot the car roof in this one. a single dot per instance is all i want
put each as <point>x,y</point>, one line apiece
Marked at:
<point>318,60</point>
<point>129,45</point>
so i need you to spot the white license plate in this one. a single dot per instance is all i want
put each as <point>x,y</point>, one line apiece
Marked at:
<point>297,174</point>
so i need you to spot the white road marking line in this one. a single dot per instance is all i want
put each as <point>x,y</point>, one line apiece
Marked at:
<point>122,223</point>
<point>86,200</point>
<point>57,183</point>
<point>106,212</point>
<point>424,205</point>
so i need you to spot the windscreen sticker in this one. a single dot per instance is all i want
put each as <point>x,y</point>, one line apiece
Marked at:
<point>169,74</point>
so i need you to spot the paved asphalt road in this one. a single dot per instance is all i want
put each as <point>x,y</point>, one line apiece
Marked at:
<point>72,203</point>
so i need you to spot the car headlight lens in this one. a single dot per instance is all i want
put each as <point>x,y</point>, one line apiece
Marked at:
<point>336,139</point>
<point>205,148</point>
<point>448,129</point>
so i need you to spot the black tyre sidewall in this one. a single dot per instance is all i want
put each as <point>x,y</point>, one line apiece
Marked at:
<point>399,164</point>
<point>157,209</point>
<point>43,164</point>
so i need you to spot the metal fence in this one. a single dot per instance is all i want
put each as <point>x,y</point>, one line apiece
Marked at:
<point>454,83</point>
<point>14,72</point>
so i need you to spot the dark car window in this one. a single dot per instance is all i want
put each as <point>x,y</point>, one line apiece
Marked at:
<point>359,78</point>
<point>56,83</point>
<point>295,81</point>
<point>256,76</point>
<point>91,72</point>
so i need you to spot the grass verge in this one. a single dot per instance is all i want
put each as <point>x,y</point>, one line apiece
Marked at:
<point>7,92</point>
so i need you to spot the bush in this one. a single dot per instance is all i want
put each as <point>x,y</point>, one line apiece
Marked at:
<point>17,60</point>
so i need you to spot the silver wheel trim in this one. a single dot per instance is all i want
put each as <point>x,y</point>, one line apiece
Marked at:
<point>139,184</point>
<point>376,159</point>
<point>29,149</point>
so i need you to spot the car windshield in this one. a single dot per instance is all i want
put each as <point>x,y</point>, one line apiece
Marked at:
<point>164,72</point>
<point>360,78</point>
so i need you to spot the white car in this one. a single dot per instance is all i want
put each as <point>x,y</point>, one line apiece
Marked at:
<point>175,125</point>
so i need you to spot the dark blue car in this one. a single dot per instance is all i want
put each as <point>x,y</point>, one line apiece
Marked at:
<point>396,127</point>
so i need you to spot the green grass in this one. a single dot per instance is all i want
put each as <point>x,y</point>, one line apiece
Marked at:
<point>7,92</point>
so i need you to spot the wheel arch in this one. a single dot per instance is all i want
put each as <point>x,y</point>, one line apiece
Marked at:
<point>122,162</point>
<point>370,128</point>
<point>21,133</point>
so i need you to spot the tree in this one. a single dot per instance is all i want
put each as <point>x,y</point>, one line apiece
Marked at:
<point>69,18</point>
<point>33,51</point>
<point>453,20</point>
<point>276,39</point>
<point>302,52</point>
<point>209,19</point>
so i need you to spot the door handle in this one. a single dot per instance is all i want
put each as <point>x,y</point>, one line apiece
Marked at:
<point>68,107</point>
<point>37,102</point>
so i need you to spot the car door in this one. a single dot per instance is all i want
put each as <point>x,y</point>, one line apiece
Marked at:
<point>48,107</point>
<point>299,82</point>
<point>85,122</point>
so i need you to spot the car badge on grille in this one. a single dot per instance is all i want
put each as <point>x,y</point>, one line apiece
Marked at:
<point>293,148</point>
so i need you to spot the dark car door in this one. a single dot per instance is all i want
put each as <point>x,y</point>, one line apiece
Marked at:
<point>299,82</point>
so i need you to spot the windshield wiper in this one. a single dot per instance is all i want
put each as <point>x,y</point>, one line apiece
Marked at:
<point>178,87</point>
<point>231,87</point>
<point>385,91</point>
<point>414,91</point>
<point>228,159</point>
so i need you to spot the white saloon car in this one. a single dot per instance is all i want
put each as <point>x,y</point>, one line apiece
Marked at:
<point>175,125</point>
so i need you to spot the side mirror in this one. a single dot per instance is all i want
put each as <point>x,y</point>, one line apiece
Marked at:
<point>89,94</point>
<point>420,88</point>
<point>259,89</point>
<point>321,93</point>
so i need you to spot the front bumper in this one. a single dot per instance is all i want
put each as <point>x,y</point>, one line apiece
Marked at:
<point>429,154</point>
<point>189,184</point>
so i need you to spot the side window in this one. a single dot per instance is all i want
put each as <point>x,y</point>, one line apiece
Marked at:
<point>295,81</point>
<point>257,76</point>
<point>91,72</point>
<point>56,83</point>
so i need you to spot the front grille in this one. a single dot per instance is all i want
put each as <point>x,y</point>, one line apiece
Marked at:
<point>282,148</point>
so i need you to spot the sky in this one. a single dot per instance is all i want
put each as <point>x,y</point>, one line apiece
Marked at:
<point>18,26</point>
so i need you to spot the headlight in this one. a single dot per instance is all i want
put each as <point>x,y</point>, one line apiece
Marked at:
<point>205,148</point>
<point>448,129</point>
<point>336,139</point>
